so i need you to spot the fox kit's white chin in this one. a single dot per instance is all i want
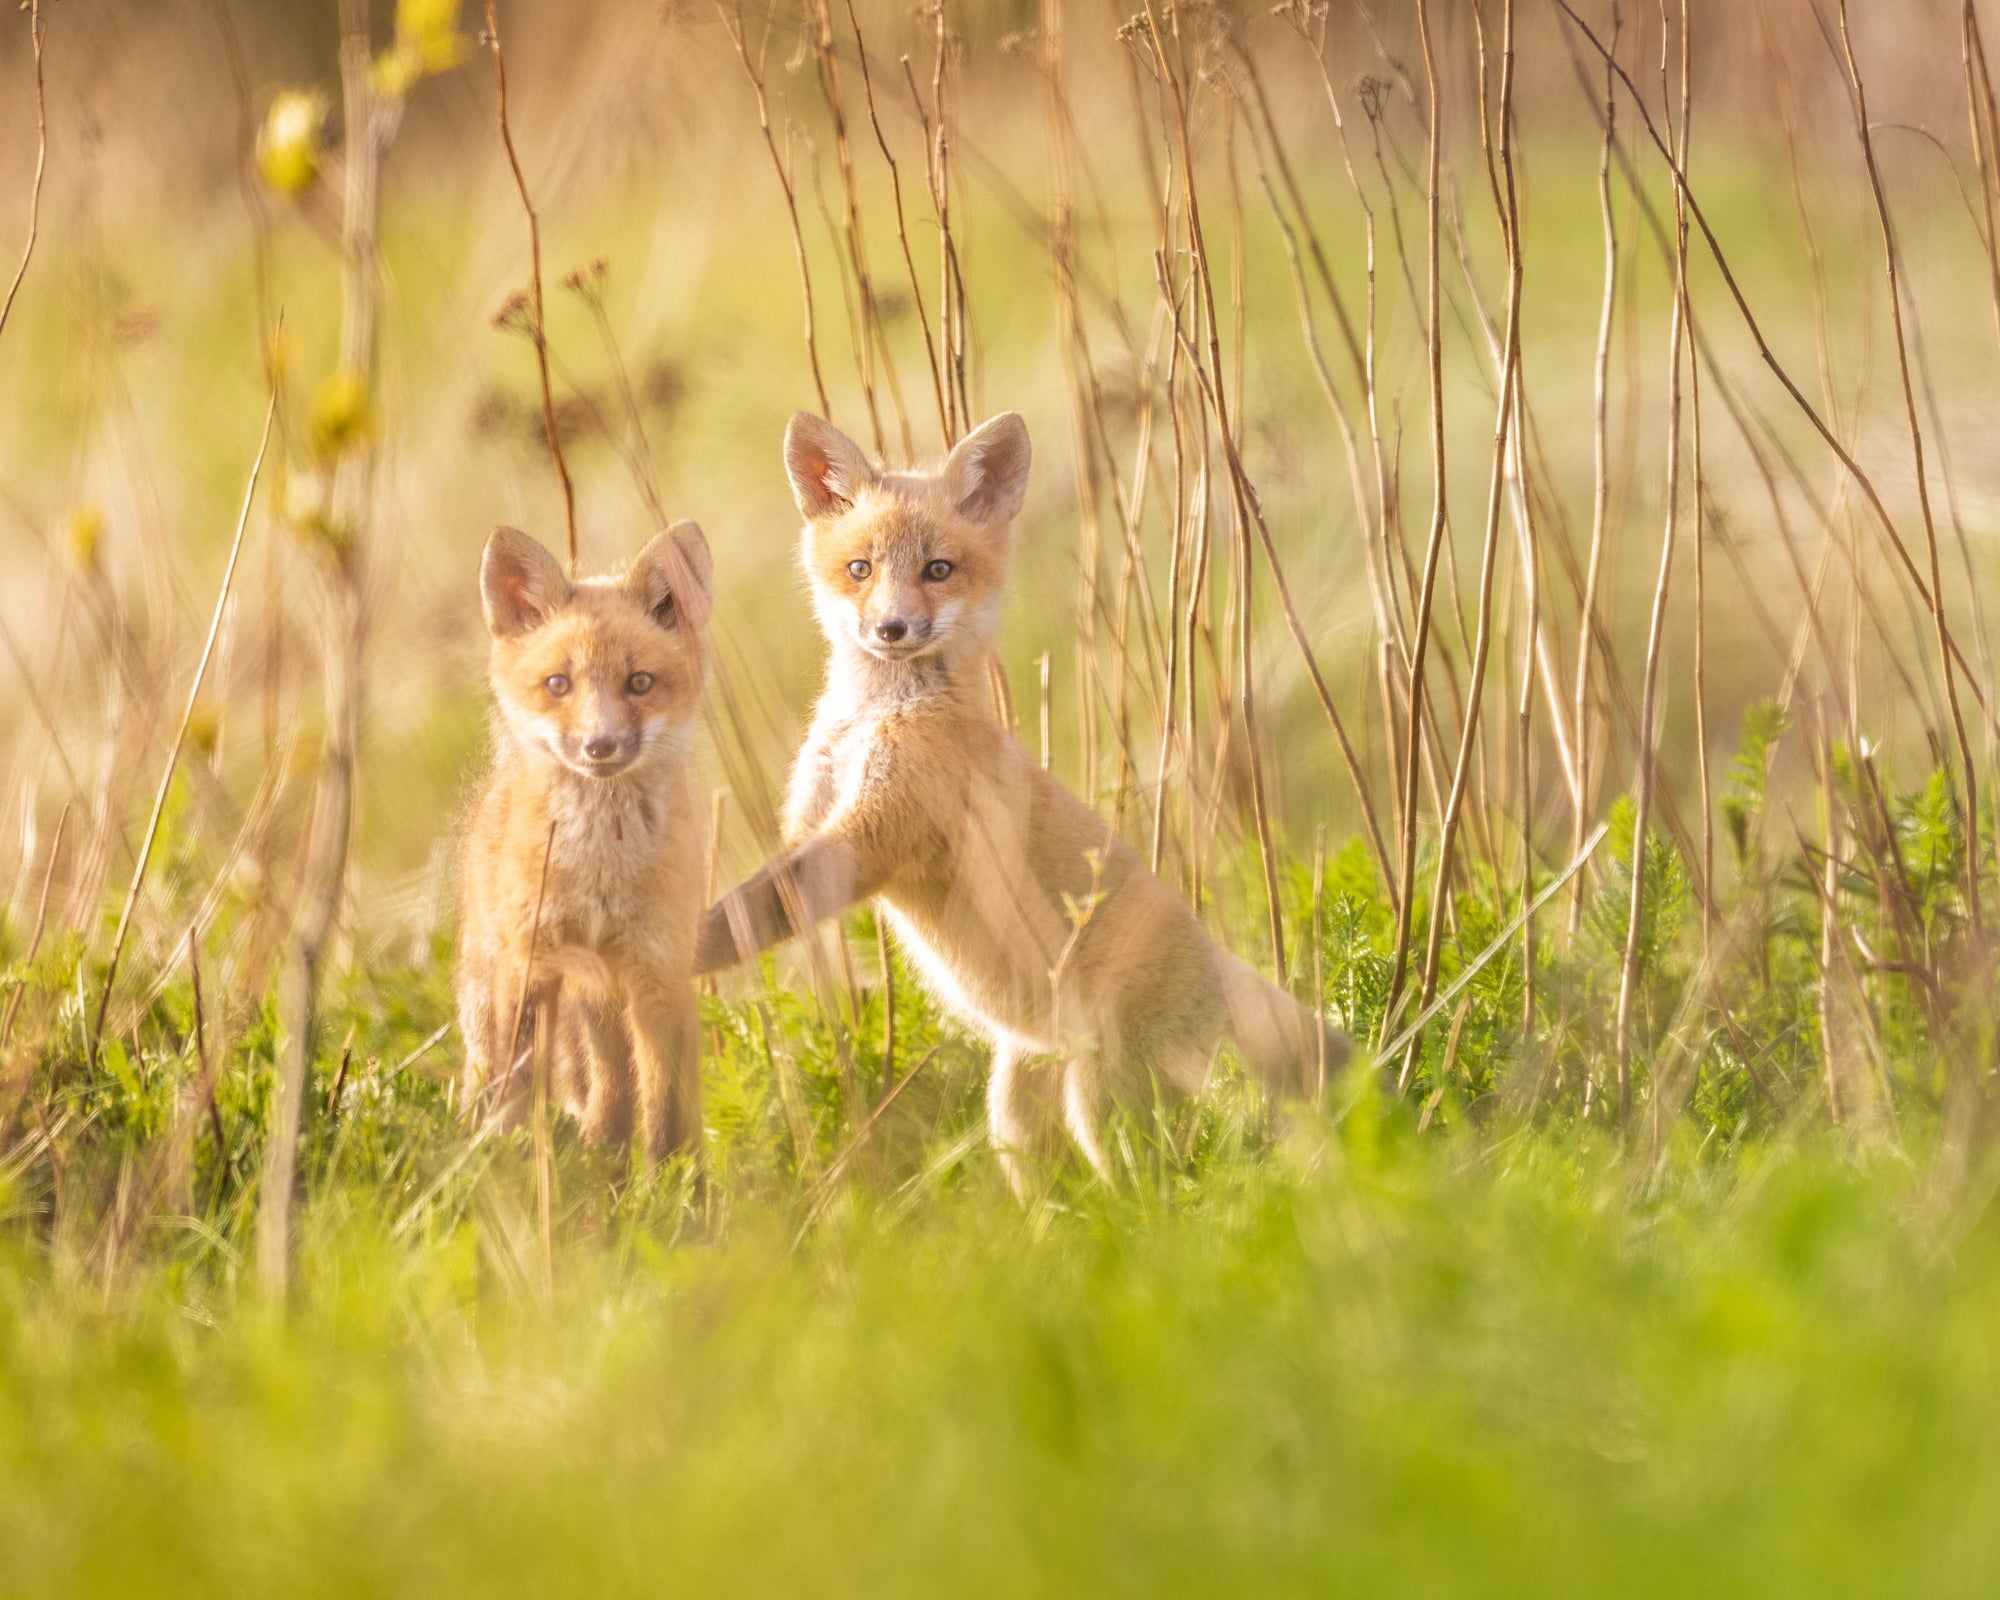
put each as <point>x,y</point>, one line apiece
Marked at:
<point>603,771</point>
<point>904,650</point>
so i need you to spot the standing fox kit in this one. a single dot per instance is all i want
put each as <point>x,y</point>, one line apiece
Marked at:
<point>1025,914</point>
<point>595,686</point>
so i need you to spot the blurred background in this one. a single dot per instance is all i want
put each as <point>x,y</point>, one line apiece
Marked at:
<point>178,229</point>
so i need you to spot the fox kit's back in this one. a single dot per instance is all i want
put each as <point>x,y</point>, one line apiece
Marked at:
<point>582,880</point>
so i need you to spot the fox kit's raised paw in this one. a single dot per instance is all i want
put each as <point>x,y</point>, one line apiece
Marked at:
<point>583,865</point>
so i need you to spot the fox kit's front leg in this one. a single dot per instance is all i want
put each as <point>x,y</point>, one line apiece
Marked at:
<point>818,878</point>
<point>666,1054</point>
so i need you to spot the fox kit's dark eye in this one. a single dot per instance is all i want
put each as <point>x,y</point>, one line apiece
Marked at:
<point>639,682</point>
<point>938,571</point>
<point>557,684</point>
<point>857,570</point>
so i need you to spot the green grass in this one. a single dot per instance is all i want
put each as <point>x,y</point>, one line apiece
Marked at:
<point>1412,1345</point>
<point>1357,1361</point>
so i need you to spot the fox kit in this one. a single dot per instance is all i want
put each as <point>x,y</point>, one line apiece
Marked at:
<point>595,687</point>
<point>1028,918</point>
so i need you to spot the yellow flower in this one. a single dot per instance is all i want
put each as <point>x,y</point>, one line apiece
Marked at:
<point>427,42</point>
<point>341,414</point>
<point>288,145</point>
<point>86,533</point>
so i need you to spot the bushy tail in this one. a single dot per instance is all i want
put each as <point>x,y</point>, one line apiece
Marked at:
<point>1280,1040</point>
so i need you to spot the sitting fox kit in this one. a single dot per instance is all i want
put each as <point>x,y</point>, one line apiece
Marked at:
<point>595,685</point>
<point>1026,915</point>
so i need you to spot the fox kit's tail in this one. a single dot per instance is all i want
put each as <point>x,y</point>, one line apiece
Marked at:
<point>1292,1052</point>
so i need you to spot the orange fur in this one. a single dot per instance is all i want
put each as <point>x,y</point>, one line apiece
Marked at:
<point>595,686</point>
<point>1025,914</point>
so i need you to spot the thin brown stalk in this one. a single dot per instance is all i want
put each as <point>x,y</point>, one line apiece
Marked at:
<point>902,227</point>
<point>1242,500</point>
<point>1600,480</point>
<point>732,21</point>
<point>370,125</point>
<point>1642,788</point>
<point>588,285</point>
<point>540,331</point>
<point>1042,672</point>
<point>180,735</point>
<point>1420,646</point>
<point>867,330</point>
<point>36,30</point>
<point>1490,542</point>
<point>1944,642</point>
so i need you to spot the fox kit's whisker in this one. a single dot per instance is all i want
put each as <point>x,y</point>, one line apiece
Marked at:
<point>596,683</point>
<point>1025,915</point>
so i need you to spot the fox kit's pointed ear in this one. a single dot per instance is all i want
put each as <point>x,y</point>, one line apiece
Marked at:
<point>520,583</point>
<point>827,469</point>
<point>673,577</point>
<point>986,476</point>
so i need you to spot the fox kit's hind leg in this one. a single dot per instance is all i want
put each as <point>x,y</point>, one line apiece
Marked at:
<point>606,1098</point>
<point>666,1052</point>
<point>1022,1103</point>
<point>1086,1100</point>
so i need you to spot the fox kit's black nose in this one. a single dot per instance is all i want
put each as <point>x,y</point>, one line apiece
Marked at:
<point>892,630</point>
<point>601,748</point>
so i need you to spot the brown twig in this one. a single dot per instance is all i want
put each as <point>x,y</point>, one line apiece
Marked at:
<point>180,736</point>
<point>36,30</point>
<point>1420,647</point>
<point>1936,597</point>
<point>732,21</point>
<point>539,332</point>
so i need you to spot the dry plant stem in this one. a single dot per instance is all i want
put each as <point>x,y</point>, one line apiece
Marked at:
<point>370,125</point>
<point>1600,482</point>
<point>180,736</point>
<point>638,458</point>
<point>867,326</point>
<point>1077,387</point>
<point>1642,788</point>
<point>1246,495</point>
<point>886,962</point>
<point>1244,498</point>
<point>1697,485</point>
<point>36,29</point>
<point>1177,532</point>
<point>1944,641</point>
<point>1319,966</point>
<point>1490,542</point>
<point>210,1071</point>
<point>541,328</point>
<point>732,20</point>
<point>1524,720</point>
<point>902,228</point>
<point>41,925</point>
<point>1420,646</point>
